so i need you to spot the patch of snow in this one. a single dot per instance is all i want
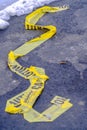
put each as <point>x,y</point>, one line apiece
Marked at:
<point>19,8</point>
<point>3,24</point>
<point>4,15</point>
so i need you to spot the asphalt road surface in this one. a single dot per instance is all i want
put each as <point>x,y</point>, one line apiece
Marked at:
<point>68,80</point>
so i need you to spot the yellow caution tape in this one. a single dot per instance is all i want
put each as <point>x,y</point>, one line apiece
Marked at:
<point>23,102</point>
<point>59,107</point>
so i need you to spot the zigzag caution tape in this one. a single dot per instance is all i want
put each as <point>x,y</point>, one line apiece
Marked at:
<point>23,102</point>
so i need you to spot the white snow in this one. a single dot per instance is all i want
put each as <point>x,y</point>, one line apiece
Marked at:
<point>3,24</point>
<point>19,8</point>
